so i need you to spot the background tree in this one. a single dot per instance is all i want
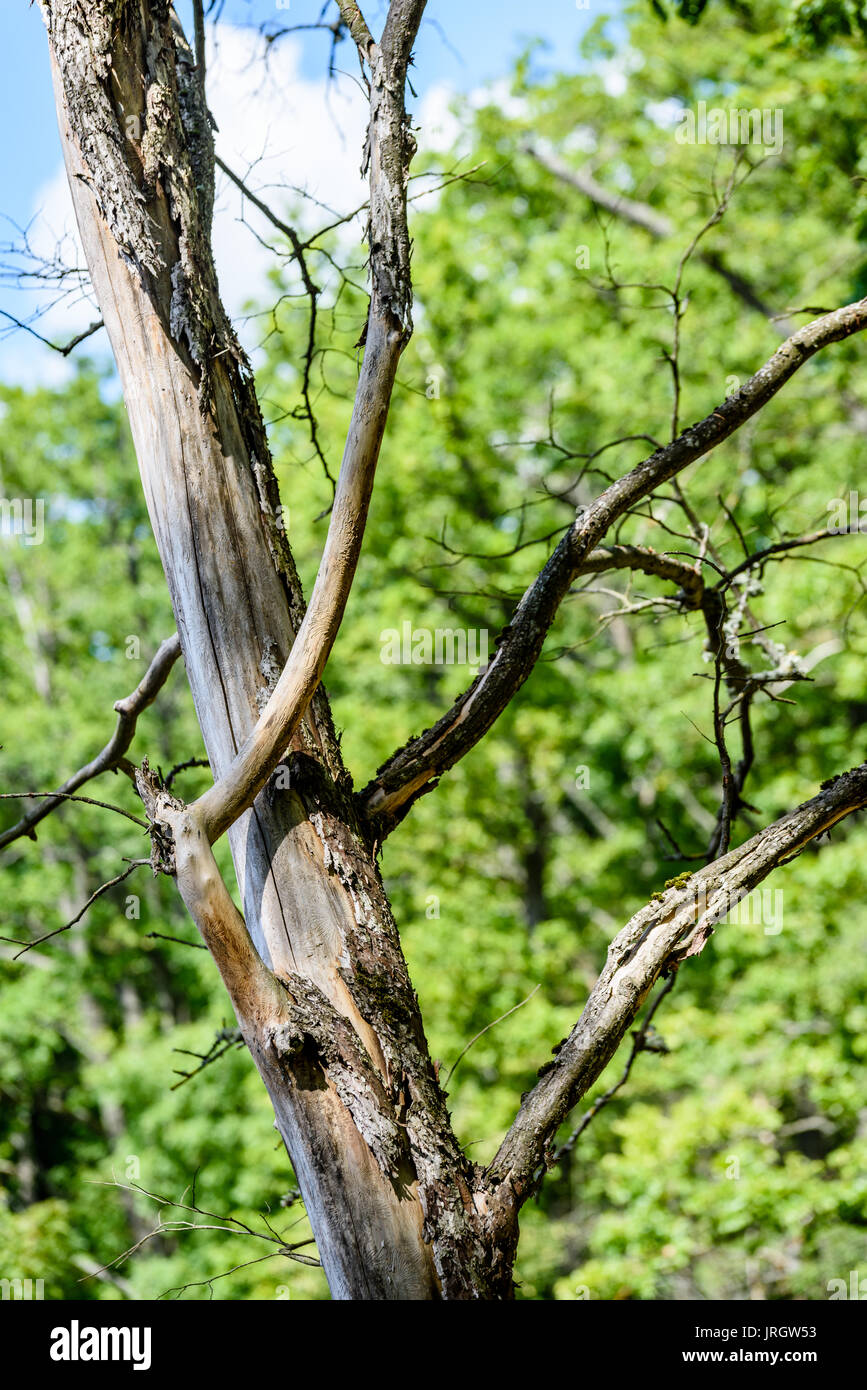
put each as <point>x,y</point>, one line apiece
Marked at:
<point>470,434</point>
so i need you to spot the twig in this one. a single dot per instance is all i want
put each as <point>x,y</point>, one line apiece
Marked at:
<point>639,1044</point>
<point>103,888</point>
<point>63,796</point>
<point>196,945</point>
<point>182,767</point>
<point>486,1029</point>
<point>226,1039</point>
<point>232,1225</point>
<point>112,754</point>
<point>63,348</point>
<point>312,291</point>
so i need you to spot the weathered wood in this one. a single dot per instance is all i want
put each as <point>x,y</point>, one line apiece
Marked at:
<point>312,896</point>
<point>659,937</point>
<point>412,769</point>
<point>315,973</point>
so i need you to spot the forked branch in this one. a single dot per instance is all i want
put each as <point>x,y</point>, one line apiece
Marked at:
<point>112,755</point>
<point>388,797</point>
<point>388,153</point>
<point>654,941</point>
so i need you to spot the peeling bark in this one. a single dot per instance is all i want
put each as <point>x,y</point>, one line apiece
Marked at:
<point>412,769</point>
<point>315,973</point>
<point>313,966</point>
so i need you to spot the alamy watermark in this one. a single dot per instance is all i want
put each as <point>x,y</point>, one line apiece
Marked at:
<point>735,126</point>
<point>24,517</point>
<point>847,514</point>
<point>77,1343</point>
<point>856,1288</point>
<point>423,646</point>
<point>761,907</point>
<point>22,1289</point>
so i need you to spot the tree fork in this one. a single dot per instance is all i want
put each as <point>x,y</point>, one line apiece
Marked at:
<point>315,972</point>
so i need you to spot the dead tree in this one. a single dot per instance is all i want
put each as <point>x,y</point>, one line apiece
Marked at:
<point>314,967</point>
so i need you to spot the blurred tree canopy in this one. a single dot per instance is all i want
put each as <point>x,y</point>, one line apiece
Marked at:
<point>733,1164</point>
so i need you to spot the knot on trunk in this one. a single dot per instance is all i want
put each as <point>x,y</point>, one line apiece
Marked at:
<point>157,799</point>
<point>312,1031</point>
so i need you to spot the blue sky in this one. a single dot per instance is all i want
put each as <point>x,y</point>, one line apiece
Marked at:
<point>463,44</point>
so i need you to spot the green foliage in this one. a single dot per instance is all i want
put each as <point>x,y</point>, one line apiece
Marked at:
<point>732,1164</point>
<point>818,23</point>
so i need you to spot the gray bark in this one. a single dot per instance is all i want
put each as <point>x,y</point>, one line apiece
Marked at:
<point>314,967</point>
<point>341,1049</point>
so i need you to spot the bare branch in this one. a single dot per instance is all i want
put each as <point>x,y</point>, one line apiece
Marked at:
<point>232,1225</point>
<point>56,797</point>
<point>401,28</point>
<point>225,1041</point>
<point>128,711</point>
<point>199,32</point>
<point>184,767</point>
<point>63,348</point>
<point>388,152</point>
<point>644,1039</point>
<point>196,945</point>
<point>386,799</point>
<point>638,214</point>
<point>482,1031</point>
<point>655,940</point>
<point>357,26</point>
<point>648,561</point>
<point>97,893</point>
<point>780,548</point>
<point>179,844</point>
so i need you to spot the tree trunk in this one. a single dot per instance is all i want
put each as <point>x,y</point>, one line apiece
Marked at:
<point>396,1209</point>
<point>315,973</point>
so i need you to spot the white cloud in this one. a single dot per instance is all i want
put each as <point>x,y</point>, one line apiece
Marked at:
<point>297,134</point>
<point>286,135</point>
<point>440,126</point>
<point>279,131</point>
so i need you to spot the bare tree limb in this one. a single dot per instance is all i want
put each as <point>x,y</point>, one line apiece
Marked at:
<point>648,561</point>
<point>641,1042</point>
<point>386,799</point>
<point>357,26</point>
<point>63,348</point>
<point>57,797</point>
<point>128,711</point>
<point>401,28</point>
<point>655,940</point>
<point>180,846</point>
<point>97,893</point>
<point>196,945</point>
<point>232,1225</point>
<point>780,548</point>
<point>199,37</point>
<point>388,152</point>
<point>628,209</point>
